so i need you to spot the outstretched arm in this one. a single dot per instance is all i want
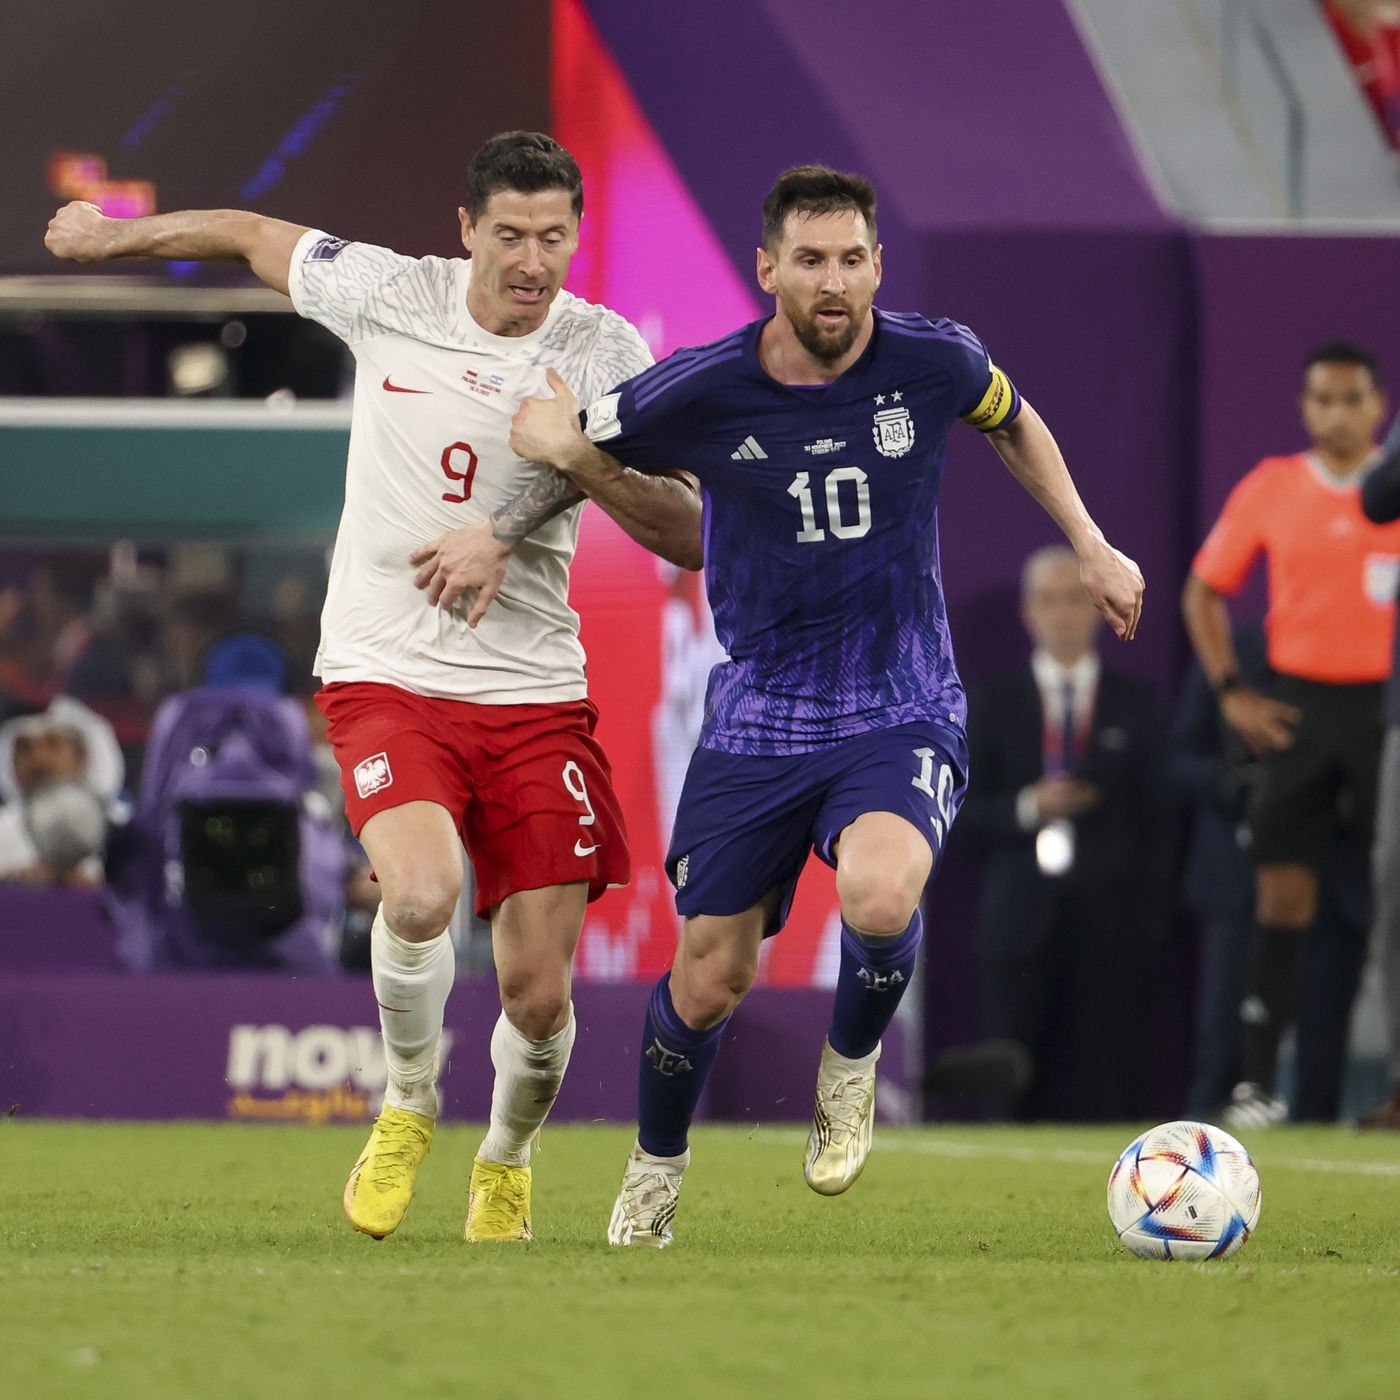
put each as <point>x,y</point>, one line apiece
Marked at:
<point>1033,457</point>
<point>82,233</point>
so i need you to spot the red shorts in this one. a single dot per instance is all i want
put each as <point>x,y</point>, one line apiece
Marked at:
<point>528,785</point>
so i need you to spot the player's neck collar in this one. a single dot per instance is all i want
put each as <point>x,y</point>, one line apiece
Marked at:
<point>1341,481</point>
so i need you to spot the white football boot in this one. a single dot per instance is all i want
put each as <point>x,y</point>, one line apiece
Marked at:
<point>1252,1106</point>
<point>843,1121</point>
<point>646,1204</point>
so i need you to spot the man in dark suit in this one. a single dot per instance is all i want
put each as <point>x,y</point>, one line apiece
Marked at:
<point>1069,805</point>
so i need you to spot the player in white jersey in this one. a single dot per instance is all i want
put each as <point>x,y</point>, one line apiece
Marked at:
<point>454,726</point>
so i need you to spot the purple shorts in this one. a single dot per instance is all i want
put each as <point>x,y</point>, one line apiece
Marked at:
<point>747,822</point>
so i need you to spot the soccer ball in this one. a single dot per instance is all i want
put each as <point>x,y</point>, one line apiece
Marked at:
<point>1184,1191</point>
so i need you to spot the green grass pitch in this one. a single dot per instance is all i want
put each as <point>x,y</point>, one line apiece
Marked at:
<point>213,1260</point>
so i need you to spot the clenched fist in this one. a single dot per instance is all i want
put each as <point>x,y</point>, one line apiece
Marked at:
<point>79,232</point>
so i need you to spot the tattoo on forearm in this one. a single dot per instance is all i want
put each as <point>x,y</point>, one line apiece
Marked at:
<point>550,494</point>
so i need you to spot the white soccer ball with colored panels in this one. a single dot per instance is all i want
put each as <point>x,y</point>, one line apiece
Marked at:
<point>1184,1191</point>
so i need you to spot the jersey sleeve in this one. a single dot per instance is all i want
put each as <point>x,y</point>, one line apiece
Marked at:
<point>619,353</point>
<point>1236,540</point>
<point>640,424</point>
<point>986,397</point>
<point>337,282</point>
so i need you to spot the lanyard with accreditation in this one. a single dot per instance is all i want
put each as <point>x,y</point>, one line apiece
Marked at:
<point>1062,752</point>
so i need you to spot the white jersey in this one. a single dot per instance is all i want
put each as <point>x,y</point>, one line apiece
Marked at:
<point>429,452</point>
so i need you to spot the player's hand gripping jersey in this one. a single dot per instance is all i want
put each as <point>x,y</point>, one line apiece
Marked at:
<point>821,524</point>
<point>429,452</point>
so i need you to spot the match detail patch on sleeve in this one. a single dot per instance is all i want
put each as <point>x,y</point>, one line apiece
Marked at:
<point>602,422</point>
<point>996,405</point>
<point>324,249</point>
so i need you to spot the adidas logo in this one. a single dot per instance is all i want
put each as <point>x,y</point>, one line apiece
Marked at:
<point>749,451</point>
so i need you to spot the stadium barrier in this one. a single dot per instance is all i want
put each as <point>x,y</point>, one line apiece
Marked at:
<point>269,1048</point>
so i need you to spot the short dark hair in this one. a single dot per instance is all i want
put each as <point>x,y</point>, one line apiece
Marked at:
<point>524,161</point>
<point>814,190</point>
<point>1343,352</point>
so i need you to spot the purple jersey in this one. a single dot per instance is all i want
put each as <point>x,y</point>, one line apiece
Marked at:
<point>820,524</point>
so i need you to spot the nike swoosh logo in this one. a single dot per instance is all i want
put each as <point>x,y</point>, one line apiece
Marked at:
<point>399,389</point>
<point>581,850</point>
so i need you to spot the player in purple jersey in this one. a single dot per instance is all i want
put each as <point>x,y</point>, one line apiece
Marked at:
<point>817,437</point>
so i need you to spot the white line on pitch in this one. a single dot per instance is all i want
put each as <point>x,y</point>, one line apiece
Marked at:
<point>1079,1156</point>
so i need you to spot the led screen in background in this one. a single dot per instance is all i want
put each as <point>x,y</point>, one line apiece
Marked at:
<point>353,116</point>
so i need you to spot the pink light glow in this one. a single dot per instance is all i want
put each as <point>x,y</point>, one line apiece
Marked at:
<point>82,175</point>
<point>647,250</point>
<point>125,199</point>
<point>73,173</point>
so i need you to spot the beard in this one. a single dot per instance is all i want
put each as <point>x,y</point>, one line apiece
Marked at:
<point>826,343</point>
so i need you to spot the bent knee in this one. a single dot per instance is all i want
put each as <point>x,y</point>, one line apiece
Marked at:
<point>704,992</point>
<point>880,910</point>
<point>418,909</point>
<point>536,1006</point>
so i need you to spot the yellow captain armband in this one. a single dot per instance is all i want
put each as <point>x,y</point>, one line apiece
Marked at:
<point>996,404</point>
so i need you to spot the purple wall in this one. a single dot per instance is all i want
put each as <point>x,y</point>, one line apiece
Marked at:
<point>1264,303</point>
<point>961,129</point>
<point>1097,334</point>
<point>982,116</point>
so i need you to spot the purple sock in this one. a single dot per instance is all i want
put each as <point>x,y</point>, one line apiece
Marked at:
<point>874,975</point>
<point>676,1062</point>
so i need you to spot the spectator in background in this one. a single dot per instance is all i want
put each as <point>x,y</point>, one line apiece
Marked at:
<point>1069,806</point>
<point>61,774</point>
<point>248,660</point>
<point>1369,34</point>
<point>1316,728</point>
<point>295,620</point>
<point>198,619</point>
<point>112,663</point>
<point>19,688</point>
<point>1380,497</point>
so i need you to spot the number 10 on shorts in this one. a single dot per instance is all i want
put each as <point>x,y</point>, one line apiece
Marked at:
<point>942,794</point>
<point>578,790</point>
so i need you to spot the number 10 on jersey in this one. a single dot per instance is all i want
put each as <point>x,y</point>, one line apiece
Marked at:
<point>832,498</point>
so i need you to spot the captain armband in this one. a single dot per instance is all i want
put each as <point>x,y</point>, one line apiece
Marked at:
<point>998,405</point>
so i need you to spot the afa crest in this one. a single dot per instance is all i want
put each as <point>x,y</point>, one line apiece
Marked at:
<point>894,431</point>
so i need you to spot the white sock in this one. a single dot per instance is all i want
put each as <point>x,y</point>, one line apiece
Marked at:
<point>411,985</point>
<point>528,1076</point>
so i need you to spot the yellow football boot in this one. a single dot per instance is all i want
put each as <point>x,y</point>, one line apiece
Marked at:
<point>381,1184</point>
<point>498,1202</point>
